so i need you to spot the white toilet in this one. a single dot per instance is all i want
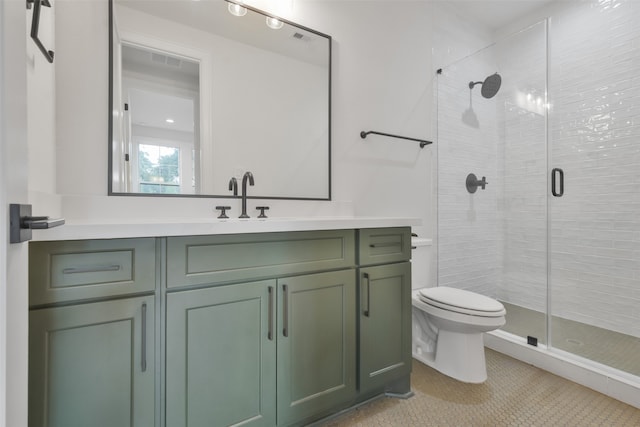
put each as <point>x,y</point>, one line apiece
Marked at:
<point>448,323</point>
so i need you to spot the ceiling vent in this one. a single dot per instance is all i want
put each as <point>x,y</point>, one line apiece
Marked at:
<point>171,61</point>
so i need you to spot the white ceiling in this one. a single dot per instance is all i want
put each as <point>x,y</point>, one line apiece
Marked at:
<point>495,14</point>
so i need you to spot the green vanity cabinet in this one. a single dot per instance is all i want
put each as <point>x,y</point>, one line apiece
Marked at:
<point>316,344</point>
<point>221,356</point>
<point>93,364</point>
<point>385,326</point>
<point>232,258</point>
<point>92,333</point>
<point>384,245</point>
<point>262,353</point>
<point>77,270</point>
<point>265,329</point>
<point>384,310</point>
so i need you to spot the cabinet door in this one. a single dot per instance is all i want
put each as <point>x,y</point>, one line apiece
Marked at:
<point>93,364</point>
<point>316,344</point>
<point>385,324</point>
<point>221,356</point>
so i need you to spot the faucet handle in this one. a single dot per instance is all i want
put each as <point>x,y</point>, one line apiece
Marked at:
<point>262,209</point>
<point>224,210</point>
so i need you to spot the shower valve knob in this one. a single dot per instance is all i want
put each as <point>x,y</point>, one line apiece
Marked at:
<point>473,183</point>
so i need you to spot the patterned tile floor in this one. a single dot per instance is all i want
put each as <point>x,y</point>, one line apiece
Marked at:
<point>516,394</point>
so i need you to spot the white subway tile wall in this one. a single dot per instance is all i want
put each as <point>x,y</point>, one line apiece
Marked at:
<point>594,128</point>
<point>523,164</point>
<point>495,241</point>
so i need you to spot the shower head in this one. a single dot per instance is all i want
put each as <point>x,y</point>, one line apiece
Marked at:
<point>490,86</point>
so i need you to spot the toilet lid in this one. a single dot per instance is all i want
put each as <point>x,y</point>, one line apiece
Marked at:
<point>462,301</point>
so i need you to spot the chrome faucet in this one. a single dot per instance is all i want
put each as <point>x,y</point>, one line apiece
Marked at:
<point>247,176</point>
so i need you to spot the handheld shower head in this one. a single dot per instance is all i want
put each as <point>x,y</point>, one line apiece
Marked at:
<point>490,86</point>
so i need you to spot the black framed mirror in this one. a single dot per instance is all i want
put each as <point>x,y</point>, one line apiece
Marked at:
<point>203,91</point>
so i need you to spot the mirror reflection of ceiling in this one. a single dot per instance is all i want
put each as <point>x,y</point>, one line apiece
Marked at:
<point>212,16</point>
<point>162,111</point>
<point>165,66</point>
<point>152,108</point>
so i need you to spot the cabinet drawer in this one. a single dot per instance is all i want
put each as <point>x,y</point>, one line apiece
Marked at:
<point>75,270</point>
<point>384,245</point>
<point>197,260</point>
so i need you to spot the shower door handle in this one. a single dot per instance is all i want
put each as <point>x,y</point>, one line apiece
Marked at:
<point>557,174</point>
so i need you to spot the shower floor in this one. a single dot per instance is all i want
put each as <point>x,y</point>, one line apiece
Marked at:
<point>601,345</point>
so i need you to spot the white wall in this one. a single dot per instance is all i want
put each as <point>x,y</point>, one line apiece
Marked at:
<point>82,66</point>
<point>382,80</point>
<point>41,96</point>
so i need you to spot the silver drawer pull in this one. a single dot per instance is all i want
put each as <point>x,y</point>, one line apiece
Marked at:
<point>92,269</point>
<point>383,245</point>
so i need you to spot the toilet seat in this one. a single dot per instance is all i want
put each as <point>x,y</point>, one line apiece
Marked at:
<point>461,301</point>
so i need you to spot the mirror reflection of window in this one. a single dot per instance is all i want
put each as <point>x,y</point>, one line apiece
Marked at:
<point>162,166</point>
<point>158,169</point>
<point>162,96</point>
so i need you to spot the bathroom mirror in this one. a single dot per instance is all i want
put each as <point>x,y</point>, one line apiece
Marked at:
<point>203,91</point>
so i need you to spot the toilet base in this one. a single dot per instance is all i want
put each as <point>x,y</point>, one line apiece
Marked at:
<point>462,356</point>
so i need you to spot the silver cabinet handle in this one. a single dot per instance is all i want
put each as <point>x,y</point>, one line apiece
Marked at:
<point>270,333</point>
<point>285,310</point>
<point>91,269</point>
<point>367,311</point>
<point>143,352</point>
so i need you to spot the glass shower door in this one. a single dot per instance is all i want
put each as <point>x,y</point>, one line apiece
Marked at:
<point>494,241</point>
<point>595,223</point>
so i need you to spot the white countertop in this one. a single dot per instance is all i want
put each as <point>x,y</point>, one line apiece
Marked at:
<point>174,227</point>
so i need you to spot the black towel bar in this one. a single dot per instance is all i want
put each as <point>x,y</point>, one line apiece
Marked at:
<point>35,25</point>
<point>422,142</point>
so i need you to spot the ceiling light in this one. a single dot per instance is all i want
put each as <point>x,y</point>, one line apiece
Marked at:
<point>274,23</point>
<point>237,10</point>
<point>169,120</point>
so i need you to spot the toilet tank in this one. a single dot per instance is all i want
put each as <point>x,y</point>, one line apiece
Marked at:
<point>421,261</point>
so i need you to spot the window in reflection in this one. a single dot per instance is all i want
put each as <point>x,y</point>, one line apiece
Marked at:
<point>158,169</point>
